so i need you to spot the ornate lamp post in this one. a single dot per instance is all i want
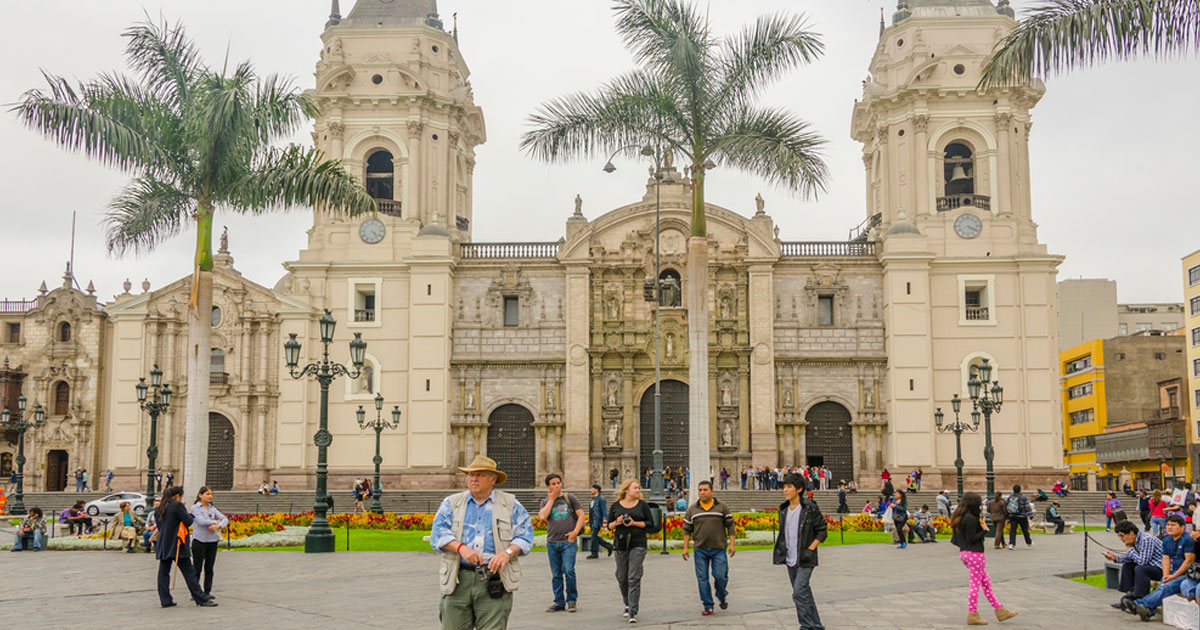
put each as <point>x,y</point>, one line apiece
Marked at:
<point>1170,442</point>
<point>20,424</point>
<point>988,401</point>
<point>320,537</point>
<point>379,424</point>
<point>155,405</point>
<point>957,427</point>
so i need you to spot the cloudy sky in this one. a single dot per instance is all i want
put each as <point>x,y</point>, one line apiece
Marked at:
<point>1112,147</point>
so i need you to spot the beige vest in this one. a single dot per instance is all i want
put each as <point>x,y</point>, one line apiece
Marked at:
<point>502,534</point>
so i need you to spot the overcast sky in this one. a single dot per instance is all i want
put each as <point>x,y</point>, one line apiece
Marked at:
<point>1112,147</point>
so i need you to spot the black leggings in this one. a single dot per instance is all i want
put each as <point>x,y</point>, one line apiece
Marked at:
<point>204,555</point>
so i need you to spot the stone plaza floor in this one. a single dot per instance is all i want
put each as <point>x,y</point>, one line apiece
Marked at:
<point>861,586</point>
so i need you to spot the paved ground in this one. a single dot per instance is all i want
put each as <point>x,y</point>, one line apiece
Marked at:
<point>862,586</point>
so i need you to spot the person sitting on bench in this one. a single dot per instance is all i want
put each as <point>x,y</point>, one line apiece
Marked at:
<point>31,533</point>
<point>1179,552</point>
<point>1052,516</point>
<point>1140,565</point>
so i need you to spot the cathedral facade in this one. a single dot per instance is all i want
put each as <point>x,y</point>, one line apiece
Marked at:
<point>542,355</point>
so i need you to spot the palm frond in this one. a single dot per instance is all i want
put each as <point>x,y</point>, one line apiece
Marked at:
<point>278,108</point>
<point>147,212</point>
<point>1060,35</point>
<point>777,146</point>
<point>763,52</point>
<point>664,34</point>
<point>164,57</point>
<point>297,176</point>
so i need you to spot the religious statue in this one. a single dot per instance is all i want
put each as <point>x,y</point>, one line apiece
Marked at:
<point>787,399</point>
<point>578,205</point>
<point>612,394</point>
<point>670,293</point>
<point>614,434</point>
<point>614,308</point>
<point>550,397</point>
<point>470,404</point>
<point>759,204</point>
<point>726,395</point>
<point>727,434</point>
<point>224,239</point>
<point>725,307</point>
<point>670,345</point>
<point>868,398</point>
<point>668,160</point>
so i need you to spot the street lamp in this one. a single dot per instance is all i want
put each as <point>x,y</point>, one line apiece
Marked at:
<point>1170,442</point>
<point>379,424</point>
<point>988,401</point>
<point>19,424</point>
<point>320,537</point>
<point>957,427</point>
<point>154,404</point>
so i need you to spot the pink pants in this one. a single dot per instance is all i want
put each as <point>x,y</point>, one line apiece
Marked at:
<point>977,567</point>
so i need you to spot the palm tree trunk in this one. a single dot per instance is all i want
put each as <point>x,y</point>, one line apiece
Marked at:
<point>199,357</point>
<point>697,303</point>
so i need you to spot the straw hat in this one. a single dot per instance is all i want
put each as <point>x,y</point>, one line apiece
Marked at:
<point>485,464</point>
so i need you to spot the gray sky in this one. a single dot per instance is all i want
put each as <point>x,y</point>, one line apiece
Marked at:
<point>1112,147</point>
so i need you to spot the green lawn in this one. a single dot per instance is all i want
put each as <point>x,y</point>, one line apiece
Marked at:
<point>390,540</point>
<point>1094,579</point>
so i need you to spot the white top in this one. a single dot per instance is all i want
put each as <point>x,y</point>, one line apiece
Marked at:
<point>205,517</point>
<point>791,532</point>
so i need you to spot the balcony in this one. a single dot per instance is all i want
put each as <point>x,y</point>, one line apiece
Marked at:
<point>492,251</point>
<point>389,207</point>
<point>364,314</point>
<point>977,313</point>
<point>218,378</point>
<point>17,306</point>
<point>954,202</point>
<point>794,249</point>
<point>1169,413</point>
<point>1130,445</point>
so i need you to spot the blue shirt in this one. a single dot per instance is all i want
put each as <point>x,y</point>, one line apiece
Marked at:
<point>1175,549</point>
<point>477,527</point>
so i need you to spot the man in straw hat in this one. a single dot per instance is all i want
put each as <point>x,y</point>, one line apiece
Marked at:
<point>481,533</point>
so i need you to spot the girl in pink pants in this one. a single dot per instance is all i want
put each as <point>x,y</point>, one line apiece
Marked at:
<point>969,530</point>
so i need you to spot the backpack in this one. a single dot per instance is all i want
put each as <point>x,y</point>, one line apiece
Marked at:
<point>1013,506</point>
<point>1049,516</point>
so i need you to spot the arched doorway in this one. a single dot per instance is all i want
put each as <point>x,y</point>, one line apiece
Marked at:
<point>511,443</point>
<point>674,433</point>
<point>56,470</point>
<point>828,441</point>
<point>219,475</point>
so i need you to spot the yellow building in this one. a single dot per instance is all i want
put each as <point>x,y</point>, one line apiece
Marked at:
<point>1191,305</point>
<point>1083,408</point>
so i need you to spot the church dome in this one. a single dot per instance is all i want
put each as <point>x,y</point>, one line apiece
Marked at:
<point>902,227</point>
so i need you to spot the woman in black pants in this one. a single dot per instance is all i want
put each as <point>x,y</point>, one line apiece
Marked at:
<point>206,535</point>
<point>173,521</point>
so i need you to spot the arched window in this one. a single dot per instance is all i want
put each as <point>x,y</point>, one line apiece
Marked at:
<point>64,331</point>
<point>62,399</point>
<point>670,289</point>
<point>959,170</point>
<point>380,172</point>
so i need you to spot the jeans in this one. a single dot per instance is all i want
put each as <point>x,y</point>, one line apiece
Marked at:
<point>806,606</point>
<point>1136,578</point>
<point>1014,523</point>
<point>719,561</point>
<point>562,569</point>
<point>39,541</point>
<point>1158,525</point>
<point>1059,524</point>
<point>925,532</point>
<point>146,534</point>
<point>1189,587</point>
<point>1154,599</point>
<point>597,541</point>
<point>629,577</point>
<point>1108,521</point>
<point>724,484</point>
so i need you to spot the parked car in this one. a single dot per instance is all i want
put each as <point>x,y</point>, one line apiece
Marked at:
<point>111,504</point>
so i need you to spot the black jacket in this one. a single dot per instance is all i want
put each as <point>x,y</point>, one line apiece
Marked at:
<point>812,527</point>
<point>176,516</point>
<point>969,534</point>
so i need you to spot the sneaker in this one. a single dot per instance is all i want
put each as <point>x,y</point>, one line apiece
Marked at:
<point>555,608</point>
<point>591,557</point>
<point>707,612</point>
<point>1143,613</point>
<point>723,603</point>
<point>632,619</point>
<point>626,614</point>
<point>903,546</point>
<point>1012,547</point>
<point>570,606</point>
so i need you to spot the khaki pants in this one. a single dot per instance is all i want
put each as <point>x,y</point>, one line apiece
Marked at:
<point>470,608</point>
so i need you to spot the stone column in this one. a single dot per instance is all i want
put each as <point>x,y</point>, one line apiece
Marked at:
<point>925,202</point>
<point>1003,178</point>
<point>414,192</point>
<point>762,366</point>
<point>576,394</point>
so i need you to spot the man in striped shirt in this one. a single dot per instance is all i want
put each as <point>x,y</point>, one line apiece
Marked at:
<point>711,523</point>
<point>1140,565</point>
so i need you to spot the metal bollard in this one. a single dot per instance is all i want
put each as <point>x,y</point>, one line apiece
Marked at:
<point>1083,514</point>
<point>105,538</point>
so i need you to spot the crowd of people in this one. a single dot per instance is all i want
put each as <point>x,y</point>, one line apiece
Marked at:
<point>1163,550</point>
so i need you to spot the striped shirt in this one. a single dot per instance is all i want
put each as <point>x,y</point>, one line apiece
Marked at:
<point>710,528</point>
<point>1147,551</point>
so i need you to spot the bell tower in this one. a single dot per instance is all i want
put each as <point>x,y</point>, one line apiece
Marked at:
<point>397,108</point>
<point>965,278</point>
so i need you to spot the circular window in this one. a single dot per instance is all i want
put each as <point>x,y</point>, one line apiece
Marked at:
<point>377,79</point>
<point>901,134</point>
<point>434,48</point>
<point>959,69</point>
<point>216,316</point>
<point>899,43</point>
<point>435,136</point>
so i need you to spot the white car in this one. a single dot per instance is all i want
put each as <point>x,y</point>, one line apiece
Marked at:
<point>111,504</point>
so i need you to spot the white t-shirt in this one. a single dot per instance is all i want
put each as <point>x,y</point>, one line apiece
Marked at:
<point>792,532</point>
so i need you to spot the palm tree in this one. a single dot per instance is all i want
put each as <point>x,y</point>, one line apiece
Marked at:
<point>1060,35</point>
<point>195,141</point>
<point>693,94</point>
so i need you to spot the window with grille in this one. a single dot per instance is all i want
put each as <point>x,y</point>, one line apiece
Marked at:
<point>1196,336</point>
<point>64,331</point>
<point>1194,305</point>
<point>1078,365</point>
<point>1194,276</point>
<point>1080,390</point>
<point>1085,443</point>
<point>62,399</point>
<point>1083,417</point>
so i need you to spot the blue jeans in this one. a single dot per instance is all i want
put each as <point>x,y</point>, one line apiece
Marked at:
<point>562,568</point>
<point>1154,599</point>
<point>802,596</point>
<point>39,542</point>
<point>1189,588</point>
<point>1158,525</point>
<point>720,572</point>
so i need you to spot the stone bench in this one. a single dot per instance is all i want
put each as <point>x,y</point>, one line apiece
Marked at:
<point>1048,528</point>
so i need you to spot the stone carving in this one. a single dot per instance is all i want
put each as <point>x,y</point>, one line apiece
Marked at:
<point>759,204</point>
<point>868,398</point>
<point>670,344</point>
<point>614,308</point>
<point>726,394</point>
<point>726,308</point>
<point>550,397</point>
<point>787,399</point>
<point>921,123</point>
<point>611,399</point>
<point>470,402</point>
<point>578,205</point>
<point>613,434</point>
<point>727,434</point>
<point>224,240</point>
<point>670,293</point>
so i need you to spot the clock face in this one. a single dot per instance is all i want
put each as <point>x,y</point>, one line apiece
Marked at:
<point>968,225</point>
<point>371,231</point>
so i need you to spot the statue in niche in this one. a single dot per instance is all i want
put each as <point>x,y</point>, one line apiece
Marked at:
<point>612,394</point>
<point>670,344</point>
<point>725,307</point>
<point>550,397</point>
<point>470,403</point>
<point>726,394</point>
<point>727,434</point>
<point>613,436</point>
<point>614,308</point>
<point>868,398</point>
<point>787,399</point>
<point>670,292</point>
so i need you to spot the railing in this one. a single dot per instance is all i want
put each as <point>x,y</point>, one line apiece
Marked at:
<point>218,378</point>
<point>860,231</point>
<point>954,202</point>
<point>508,250</point>
<point>977,313</point>
<point>389,207</point>
<point>16,306</point>
<point>364,314</point>
<point>1168,413</point>
<point>827,248</point>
